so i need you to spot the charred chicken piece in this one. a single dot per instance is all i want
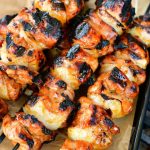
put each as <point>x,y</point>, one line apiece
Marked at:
<point>114,91</point>
<point>103,26</point>
<point>141,29</point>
<point>27,131</point>
<point>37,27</point>
<point>3,108</point>
<point>16,51</point>
<point>53,105</point>
<point>132,71</point>
<point>63,10</point>
<point>75,66</point>
<point>130,49</point>
<point>92,125</point>
<point>74,145</point>
<point>9,89</point>
<point>20,74</point>
<point>121,10</point>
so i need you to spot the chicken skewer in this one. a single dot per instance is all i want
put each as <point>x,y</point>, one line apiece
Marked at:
<point>127,65</point>
<point>115,89</point>
<point>53,105</point>
<point>27,34</point>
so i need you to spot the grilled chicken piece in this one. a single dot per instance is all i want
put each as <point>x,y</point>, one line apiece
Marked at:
<point>9,89</point>
<point>132,71</point>
<point>141,29</point>
<point>130,49</point>
<point>16,51</point>
<point>114,91</point>
<point>76,145</point>
<point>19,73</point>
<point>53,105</point>
<point>101,28</point>
<point>38,28</point>
<point>3,108</point>
<point>121,10</point>
<point>75,66</point>
<point>92,124</point>
<point>27,131</point>
<point>63,10</point>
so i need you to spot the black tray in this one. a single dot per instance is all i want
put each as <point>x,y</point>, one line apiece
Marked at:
<point>142,103</point>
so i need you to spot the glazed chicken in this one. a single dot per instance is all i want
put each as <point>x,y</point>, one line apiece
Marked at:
<point>9,89</point>
<point>62,10</point>
<point>114,91</point>
<point>54,104</point>
<point>26,130</point>
<point>3,108</point>
<point>92,127</point>
<point>127,65</point>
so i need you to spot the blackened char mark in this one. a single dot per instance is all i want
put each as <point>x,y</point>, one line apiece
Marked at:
<point>19,50</point>
<point>66,103</point>
<point>58,5</point>
<point>22,67</point>
<point>118,77</point>
<point>53,27</point>
<point>71,116</point>
<point>46,131</point>
<point>27,26</point>
<point>32,100</point>
<point>84,71</point>
<point>135,72</point>
<point>108,122</point>
<point>102,44</point>
<point>109,3</point>
<point>12,67</point>
<point>58,61</point>
<point>132,12</point>
<point>131,39</point>
<point>120,45</point>
<point>134,88</point>
<point>98,3</point>
<point>134,56</point>
<point>29,141</point>
<point>30,53</point>
<point>37,80</point>
<point>127,11</point>
<point>72,51</point>
<point>61,84</point>
<point>9,41</point>
<point>91,80</point>
<point>6,19</point>
<point>105,97</point>
<point>37,16</point>
<point>93,116</point>
<point>33,119</point>
<point>82,30</point>
<point>79,2</point>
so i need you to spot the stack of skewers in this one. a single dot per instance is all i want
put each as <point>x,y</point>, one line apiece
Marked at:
<point>108,32</point>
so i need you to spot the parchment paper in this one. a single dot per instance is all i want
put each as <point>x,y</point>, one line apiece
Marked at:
<point>121,141</point>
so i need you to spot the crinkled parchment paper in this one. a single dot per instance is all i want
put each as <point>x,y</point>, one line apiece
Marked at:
<point>121,141</point>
